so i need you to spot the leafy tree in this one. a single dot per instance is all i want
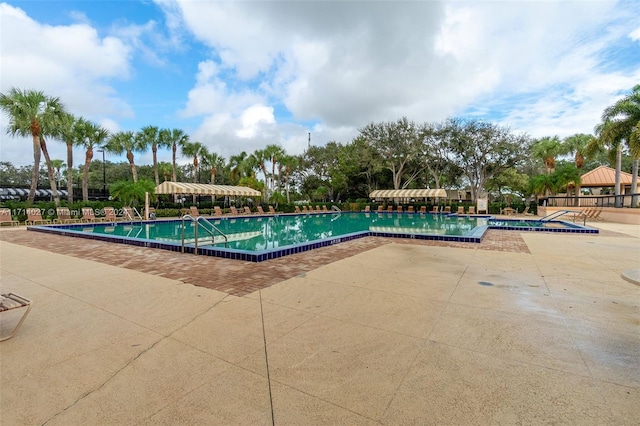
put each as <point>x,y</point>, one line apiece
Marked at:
<point>399,146</point>
<point>32,113</point>
<point>482,150</point>
<point>89,135</point>
<point>547,149</point>
<point>240,166</point>
<point>577,144</point>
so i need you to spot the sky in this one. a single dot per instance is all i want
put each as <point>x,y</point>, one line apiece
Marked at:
<point>238,75</point>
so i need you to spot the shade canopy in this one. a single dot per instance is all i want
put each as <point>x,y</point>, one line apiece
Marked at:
<point>408,193</point>
<point>205,189</point>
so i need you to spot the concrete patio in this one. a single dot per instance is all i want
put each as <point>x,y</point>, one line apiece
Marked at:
<point>397,334</point>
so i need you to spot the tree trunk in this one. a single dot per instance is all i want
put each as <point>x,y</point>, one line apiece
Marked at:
<point>634,181</point>
<point>85,174</point>
<point>618,173</point>
<point>134,171</point>
<point>50,172</point>
<point>174,173</point>
<point>35,175</point>
<point>154,148</point>
<point>69,173</point>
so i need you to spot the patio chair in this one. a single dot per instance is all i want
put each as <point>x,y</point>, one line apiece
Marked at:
<point>234,211</point>
<point>399,209</point>
<point>12,301</point>
<point>472,210</point>
<point>318,209</point>
<point>380,209</point>
<point>272,210</point>
<point>410,209</point>
<point>297,209</point>
<point>217,211</point>
<point>325,209</point>
<point>5,218</point>
<point>447,209</point>
<point>130,213</point>
<point>260,210</point>
<point>34,217</point>
<point>193,211</point>
<point>389,209</point>
<point>594,215</point>
<point>435,209</point>
<point>367,209</point>
<point>247,210</point>
<point>460,209</point>
<point>423,209</point>
<point>88,215</point>
<point>110,215</point>
<point>64,216</point>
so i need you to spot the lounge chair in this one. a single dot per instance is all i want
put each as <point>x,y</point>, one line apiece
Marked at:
<point>367,209</point>
<point>217,211</point>
<point>5,218</point>
<point>389,209</point>
<point>130,213</point>
<point>423,209</point>
<point>64,216</point>
<point>472,210</point>
<point>460,209</point>
<point>399,209</point>
<point>247,210</point>
<point>261,210</point>
<point>447,209</point>
<point>594,214</point>
<point>435,209</point>
<point>304,209</point>
<point>234,211</point>
<point>193,211</point>
<point>297,209</point>
<point>34,217</point>
<point>272,210</point>
<point>10,301</point>
<point>325,209</point>
<point>410,209</point>
<point>110,215</point>
<point>318,209</point>
<point>88,215</point>
<point>380,209</point>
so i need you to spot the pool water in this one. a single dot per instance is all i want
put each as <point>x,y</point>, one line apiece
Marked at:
<point>258,234</point>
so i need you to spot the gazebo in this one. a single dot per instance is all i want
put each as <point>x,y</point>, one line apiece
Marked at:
<point>605,177</point>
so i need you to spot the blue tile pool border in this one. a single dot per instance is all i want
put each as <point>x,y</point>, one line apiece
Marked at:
<point>474,236</point>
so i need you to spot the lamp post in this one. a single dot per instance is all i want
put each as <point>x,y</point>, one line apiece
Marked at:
<point>104,175</point>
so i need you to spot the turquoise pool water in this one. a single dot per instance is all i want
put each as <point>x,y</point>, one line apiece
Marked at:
<point>258,234</point>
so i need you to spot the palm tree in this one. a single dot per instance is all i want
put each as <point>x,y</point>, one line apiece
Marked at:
<point>149,136</point>
<point>88,134</point>
<point>287,164</point>
<point>257,160</point>
<point>547,149</point>
<point>173,138</point>
<point>30,112</point>
<point>621,122</point>
<point>214,161</point>
<point>577,144</point>
<point>122,142</point>
<point>273,153</point>
<point>195,150</point>
<point>57,166</point>
<point>68,132</point>
<point>240,167</point>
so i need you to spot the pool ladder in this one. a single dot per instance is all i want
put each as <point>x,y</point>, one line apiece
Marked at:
<point>559,213</point>
<point>198,220</point>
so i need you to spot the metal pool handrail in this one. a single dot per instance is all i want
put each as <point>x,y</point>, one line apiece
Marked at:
<point>557,214</point>
<point>197,221</point>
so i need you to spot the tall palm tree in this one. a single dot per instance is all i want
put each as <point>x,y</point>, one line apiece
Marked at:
<point>547,149</point>
<point>287,164</point>
<point>173,138</point>
<point>126,142</point>
<point>195,150</point>
<point>240,166</point>
<point>621,122</point>
<point>68,127</point>
<point>273,153</point>
<point>57,166</point>
<point>577,144</point>
<point>88,134</point>
<point>214,161</point>
<point>149,136</point>
<point>258,160</point>
<point>29,111</point>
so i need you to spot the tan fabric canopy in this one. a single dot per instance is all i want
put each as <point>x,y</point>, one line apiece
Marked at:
<point>408,193</point>
<point>205,189</point>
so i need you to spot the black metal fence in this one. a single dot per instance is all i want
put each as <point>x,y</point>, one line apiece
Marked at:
<point>618,201</point>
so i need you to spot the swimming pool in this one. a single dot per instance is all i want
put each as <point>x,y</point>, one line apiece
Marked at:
<point>259,238</point>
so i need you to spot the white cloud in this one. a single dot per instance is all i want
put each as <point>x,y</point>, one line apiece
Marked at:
<point>635,35</point>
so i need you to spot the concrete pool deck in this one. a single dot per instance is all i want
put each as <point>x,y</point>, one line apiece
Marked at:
<point>535,329</point>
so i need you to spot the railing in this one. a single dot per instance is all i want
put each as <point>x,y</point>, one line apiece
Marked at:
<point>197,220</point>
<point>618,201</point>
<point>132,213</point>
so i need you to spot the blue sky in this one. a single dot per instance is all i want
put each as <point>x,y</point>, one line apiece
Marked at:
<point>239,75</point>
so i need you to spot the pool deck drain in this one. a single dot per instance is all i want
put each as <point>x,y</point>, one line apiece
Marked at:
<point>234,277</point>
